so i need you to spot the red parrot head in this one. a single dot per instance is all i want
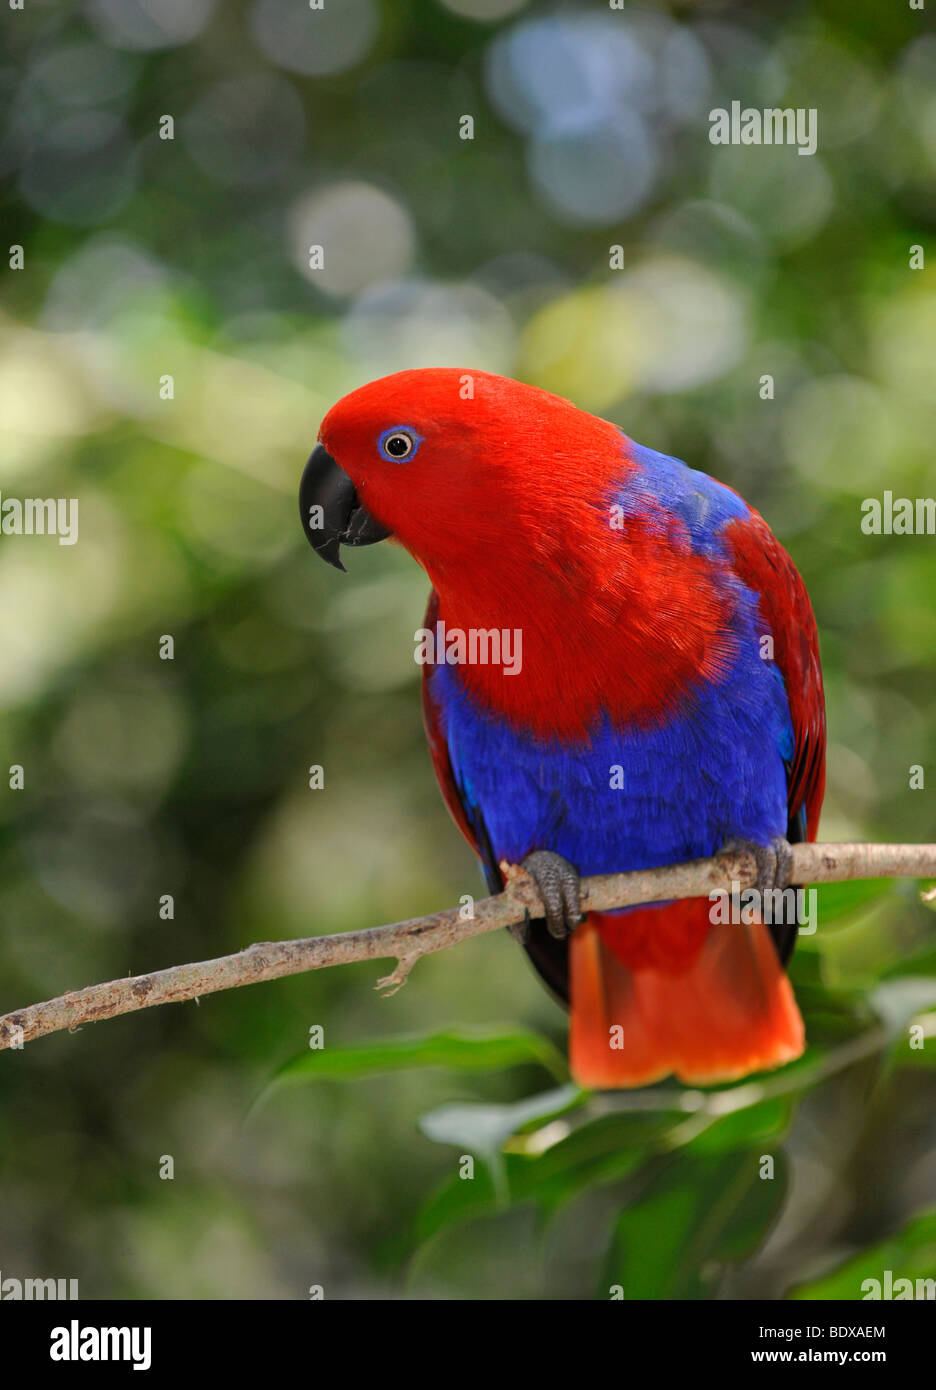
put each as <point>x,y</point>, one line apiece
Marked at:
<point>456,465</point>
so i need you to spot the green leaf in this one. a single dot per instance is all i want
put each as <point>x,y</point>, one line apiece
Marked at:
<point>712,1210</point>
<point>910,1254</point>
<point>459,1049</point>
<point>765,1122</point>
<point>839,903</point>
<point>898,1001</point>
<point>601,1151</point>
<point>459,1199</point>
<point>482,1129</point>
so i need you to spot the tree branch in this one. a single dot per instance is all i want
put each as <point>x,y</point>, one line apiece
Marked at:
<point>407,941</point>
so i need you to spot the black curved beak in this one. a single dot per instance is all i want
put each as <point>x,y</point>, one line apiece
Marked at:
<point>330,511</point>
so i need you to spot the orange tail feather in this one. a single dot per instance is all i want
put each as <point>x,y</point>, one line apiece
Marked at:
<point>662,990</point>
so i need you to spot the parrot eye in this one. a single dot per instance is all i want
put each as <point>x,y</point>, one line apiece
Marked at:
<point>398,444</point>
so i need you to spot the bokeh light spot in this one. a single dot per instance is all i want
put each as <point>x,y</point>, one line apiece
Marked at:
<point>315,42</point>
<point>365,235</point>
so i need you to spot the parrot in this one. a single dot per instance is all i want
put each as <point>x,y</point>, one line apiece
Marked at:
<point>663,701</point>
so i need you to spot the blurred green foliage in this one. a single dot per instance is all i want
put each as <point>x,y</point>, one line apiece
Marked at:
<point>145,258</point>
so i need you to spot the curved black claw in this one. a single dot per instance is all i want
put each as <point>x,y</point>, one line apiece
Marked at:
<point>774,861</point>
<point>559,886</point>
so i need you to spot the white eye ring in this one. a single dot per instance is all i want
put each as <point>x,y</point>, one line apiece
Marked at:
<point>398,444</point>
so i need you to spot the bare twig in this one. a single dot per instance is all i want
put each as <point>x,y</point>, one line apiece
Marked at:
<point>407,941</point>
